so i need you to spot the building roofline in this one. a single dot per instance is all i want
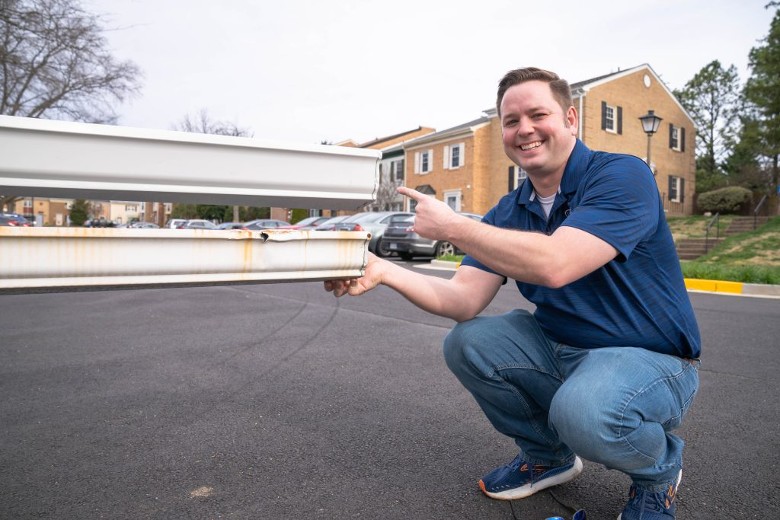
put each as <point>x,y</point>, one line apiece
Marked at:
<point>582,87</point>
<point>449,133</point>
<point>379,140</point>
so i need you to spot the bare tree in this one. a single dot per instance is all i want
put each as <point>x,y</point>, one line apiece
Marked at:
<point>201,123</point>
<point>55,64</point>
<point>386,193</point>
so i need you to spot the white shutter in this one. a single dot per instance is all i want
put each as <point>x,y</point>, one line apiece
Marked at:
<point>430,160</point>
<point>416,162</point>
<point>446,164</point>
<point>462,154</point>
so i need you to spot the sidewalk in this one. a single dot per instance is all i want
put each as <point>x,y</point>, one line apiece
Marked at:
<point>692,284</point>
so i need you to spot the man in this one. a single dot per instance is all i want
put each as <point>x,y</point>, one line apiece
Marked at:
<point>607,366</point>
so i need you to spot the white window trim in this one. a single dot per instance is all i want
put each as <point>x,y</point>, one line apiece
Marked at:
<point>519,176</point>
<point>677,189</point>
<point>448,154</point>
<point>678,142</point>
<point>458,194</point>
<point>613,128</point>
<point>418,162</point>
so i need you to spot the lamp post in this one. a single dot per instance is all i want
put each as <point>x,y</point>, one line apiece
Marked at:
<point>650,124</point>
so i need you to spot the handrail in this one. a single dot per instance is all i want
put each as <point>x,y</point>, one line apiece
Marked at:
<point>755,211</point>
<point>715,219</point>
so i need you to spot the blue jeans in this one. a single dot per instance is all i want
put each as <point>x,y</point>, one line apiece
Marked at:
<point>616,406</point>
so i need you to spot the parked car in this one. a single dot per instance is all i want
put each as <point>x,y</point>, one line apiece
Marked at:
<point>231,225</point>
<point>14,220</point>
<point>174,223</point>
<point>101,222</point>
<point>197,223</point>
<point>375,223</point>
<point>143,225</point>
<point>330,224</point>
<point>399,237</point>
<point>308,223</point>
<point>265,223</point>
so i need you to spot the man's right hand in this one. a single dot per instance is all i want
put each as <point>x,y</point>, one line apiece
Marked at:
<point>357,286</point>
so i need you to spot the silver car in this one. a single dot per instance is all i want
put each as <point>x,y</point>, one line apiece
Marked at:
<point>197,223</point>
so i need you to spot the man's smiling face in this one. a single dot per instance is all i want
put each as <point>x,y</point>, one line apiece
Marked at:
<point>538,135</point>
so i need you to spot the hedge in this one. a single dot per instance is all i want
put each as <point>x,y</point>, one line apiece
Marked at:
<point>724,200</point>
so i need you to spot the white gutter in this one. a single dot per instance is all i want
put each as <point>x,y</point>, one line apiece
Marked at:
<point>66,258</point>
<point>77,160</point>
<point>44,158</point>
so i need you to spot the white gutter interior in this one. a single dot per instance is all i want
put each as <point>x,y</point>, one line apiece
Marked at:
<point>76,160</point>
<point>101,162</point>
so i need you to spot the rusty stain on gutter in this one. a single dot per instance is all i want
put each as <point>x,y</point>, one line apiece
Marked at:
<point>59,258</point>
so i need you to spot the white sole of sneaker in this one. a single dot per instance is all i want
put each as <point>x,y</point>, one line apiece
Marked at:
<point>530,489</point>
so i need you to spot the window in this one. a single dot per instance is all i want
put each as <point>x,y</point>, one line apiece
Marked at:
<point>453,156</point>
<point>611,118</point>
<point>28,203</point>
<point>676,138</point>
<point>516,177</point>
<point>397,171</point>
<point>423,161</point>
<point>452,198</point>
<point>676,189</point>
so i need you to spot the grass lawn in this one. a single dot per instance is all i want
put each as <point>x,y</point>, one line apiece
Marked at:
<point>752,257</point>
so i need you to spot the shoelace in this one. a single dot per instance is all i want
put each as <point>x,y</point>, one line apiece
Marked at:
<point>657,502</point>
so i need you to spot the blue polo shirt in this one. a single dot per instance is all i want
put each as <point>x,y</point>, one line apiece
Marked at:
<point>639,298</point>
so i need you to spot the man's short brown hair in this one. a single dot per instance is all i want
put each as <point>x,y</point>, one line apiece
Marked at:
<point>559,87</point>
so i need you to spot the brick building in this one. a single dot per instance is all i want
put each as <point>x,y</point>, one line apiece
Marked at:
<point>466,166</point>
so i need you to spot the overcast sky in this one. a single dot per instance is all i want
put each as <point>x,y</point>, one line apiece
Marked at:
<point>304,71</point>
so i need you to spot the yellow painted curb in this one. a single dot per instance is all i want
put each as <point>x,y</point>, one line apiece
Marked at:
<point>695,284</point>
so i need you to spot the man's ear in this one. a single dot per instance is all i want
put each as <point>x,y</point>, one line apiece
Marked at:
<point>571,120</point>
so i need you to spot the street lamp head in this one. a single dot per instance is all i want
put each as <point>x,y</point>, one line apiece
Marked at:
<point>650,122</point>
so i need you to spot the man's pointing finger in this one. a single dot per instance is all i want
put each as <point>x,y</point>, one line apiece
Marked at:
<point>409,192</point>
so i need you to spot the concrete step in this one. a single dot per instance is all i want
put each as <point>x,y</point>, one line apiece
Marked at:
<point>693,248</point>
<point>699,241</point>
<point>745,224</point>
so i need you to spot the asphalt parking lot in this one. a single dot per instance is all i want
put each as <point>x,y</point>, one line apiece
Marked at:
<point>279,401</point>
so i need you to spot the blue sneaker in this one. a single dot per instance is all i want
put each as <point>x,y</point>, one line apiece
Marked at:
<point>650,505</point>
<point>520,479</point>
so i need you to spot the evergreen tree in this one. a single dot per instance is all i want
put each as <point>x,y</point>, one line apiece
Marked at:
<point>763,92</point>
<point>187,211</point>
<point>79,212</point>
<point>743,166</point>
<point>712,97</point>
<point>212,212</point>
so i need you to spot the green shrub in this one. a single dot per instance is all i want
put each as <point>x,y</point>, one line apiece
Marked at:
<point>724,200</point>
<point>298,215</point>
<point>79,212</point>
